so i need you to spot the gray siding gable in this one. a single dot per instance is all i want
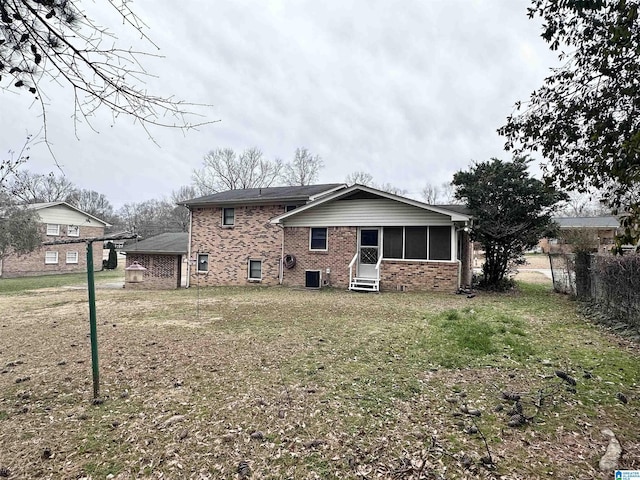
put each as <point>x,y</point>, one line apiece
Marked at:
<point>378,212</point>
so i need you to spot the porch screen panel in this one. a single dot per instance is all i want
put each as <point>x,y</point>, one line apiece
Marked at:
<point>392,242</point>
<point>415,243</point>
<point>439,243</point>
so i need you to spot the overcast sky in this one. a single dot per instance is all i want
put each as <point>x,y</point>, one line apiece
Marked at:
<point>410,91</point>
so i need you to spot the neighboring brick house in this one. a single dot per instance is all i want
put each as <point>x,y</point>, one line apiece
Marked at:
<point>59,221</point>
<point>601,231</point>
<point>357,237</point>
<point>164,257</point>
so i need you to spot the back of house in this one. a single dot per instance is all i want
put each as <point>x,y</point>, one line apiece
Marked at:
<point>327,235</point>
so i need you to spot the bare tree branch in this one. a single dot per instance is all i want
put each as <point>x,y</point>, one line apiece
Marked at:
<point>54,41</point>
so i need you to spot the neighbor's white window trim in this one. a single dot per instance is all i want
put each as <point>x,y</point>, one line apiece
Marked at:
<point>253,279</point>
<point>74,258</point>
<point>51,230</point>
<point>48,260</point>
<point>73,230</point>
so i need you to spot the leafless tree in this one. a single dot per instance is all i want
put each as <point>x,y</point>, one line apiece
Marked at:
<point>47,42</point>
<point>10,163</point>
<point>93,203</point>
<point>304,169</point>
<point>29,187</point>
<point>430,194</point>
<point>181,213</point>
<point>361,178</point>
<point>584,205</point>
<point>148,218</point>
<point>387,187</point>
<point>223,169</point>
<point>366,179</point>
<point>448,194</point>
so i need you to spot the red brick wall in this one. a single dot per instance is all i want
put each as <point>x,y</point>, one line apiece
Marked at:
<point>342,243</point>
<point>230,248</point>
<point>32,264</point>
<point>418,276</point>
<point>162,271</point>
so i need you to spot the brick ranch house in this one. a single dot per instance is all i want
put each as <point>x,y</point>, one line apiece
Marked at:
<point>59,221</point>
<point>601,229</point>
<point>164,257</point>
<point>313,236</point>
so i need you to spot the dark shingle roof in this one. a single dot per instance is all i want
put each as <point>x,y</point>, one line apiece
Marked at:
<point>165,243</point>
<point>263,195</point>
<point>462,209</point>
<point>587,222</point>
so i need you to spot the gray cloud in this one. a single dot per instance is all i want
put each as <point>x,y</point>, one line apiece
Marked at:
<point>408,91</point>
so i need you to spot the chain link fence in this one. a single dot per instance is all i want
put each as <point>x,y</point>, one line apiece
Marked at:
<point>611,284</point>
<point>563,273</point>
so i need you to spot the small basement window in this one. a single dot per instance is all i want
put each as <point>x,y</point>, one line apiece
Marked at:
<point>72,257</point>
<point>53,229</point>
<point>203,262</point>
<point>50,258</point>
<point>312,278</point>
<point>228,217</point>
<point>255,270</point>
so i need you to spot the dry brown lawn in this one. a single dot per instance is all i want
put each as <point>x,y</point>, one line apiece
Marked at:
<point>281,383</point>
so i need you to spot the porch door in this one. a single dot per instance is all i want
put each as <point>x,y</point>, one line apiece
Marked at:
<point>369,249</point>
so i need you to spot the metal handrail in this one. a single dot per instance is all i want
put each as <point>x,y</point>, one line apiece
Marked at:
<point>351,264</point>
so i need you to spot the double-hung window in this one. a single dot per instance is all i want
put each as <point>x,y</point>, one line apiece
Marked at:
<point>73,230</point>
<point>255,270</point>
<point>53,229</point>
<point>228,217</point>
<point>318,239</point>
<point>50,258</point>
<point>72,257</point>
<point>203,262</point>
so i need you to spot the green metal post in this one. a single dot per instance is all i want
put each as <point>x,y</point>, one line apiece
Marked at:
<point>92,321</point>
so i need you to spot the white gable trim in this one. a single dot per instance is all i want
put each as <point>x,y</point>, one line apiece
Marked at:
<point>43,206</point>
<point>455,217</point>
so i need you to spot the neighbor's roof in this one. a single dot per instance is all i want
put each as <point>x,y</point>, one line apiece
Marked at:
<point>265,195</point>
<point>41,206</point>
<point>165,243</point>
<point>370,192</point>
<point>587,222</point>
<point>456,207</point>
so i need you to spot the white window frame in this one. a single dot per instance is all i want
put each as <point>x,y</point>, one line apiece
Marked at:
<point>48,261</point>
<point>224,209</point>
<point>73,230</point>
<point>73,260</point>
<point>53,231</point>
<point>253,279</point>
<point>326,241</point>
<point>198,262</point>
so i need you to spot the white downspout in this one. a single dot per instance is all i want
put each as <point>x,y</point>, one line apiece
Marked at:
<point>281,275</point>
<point>188,283</point>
